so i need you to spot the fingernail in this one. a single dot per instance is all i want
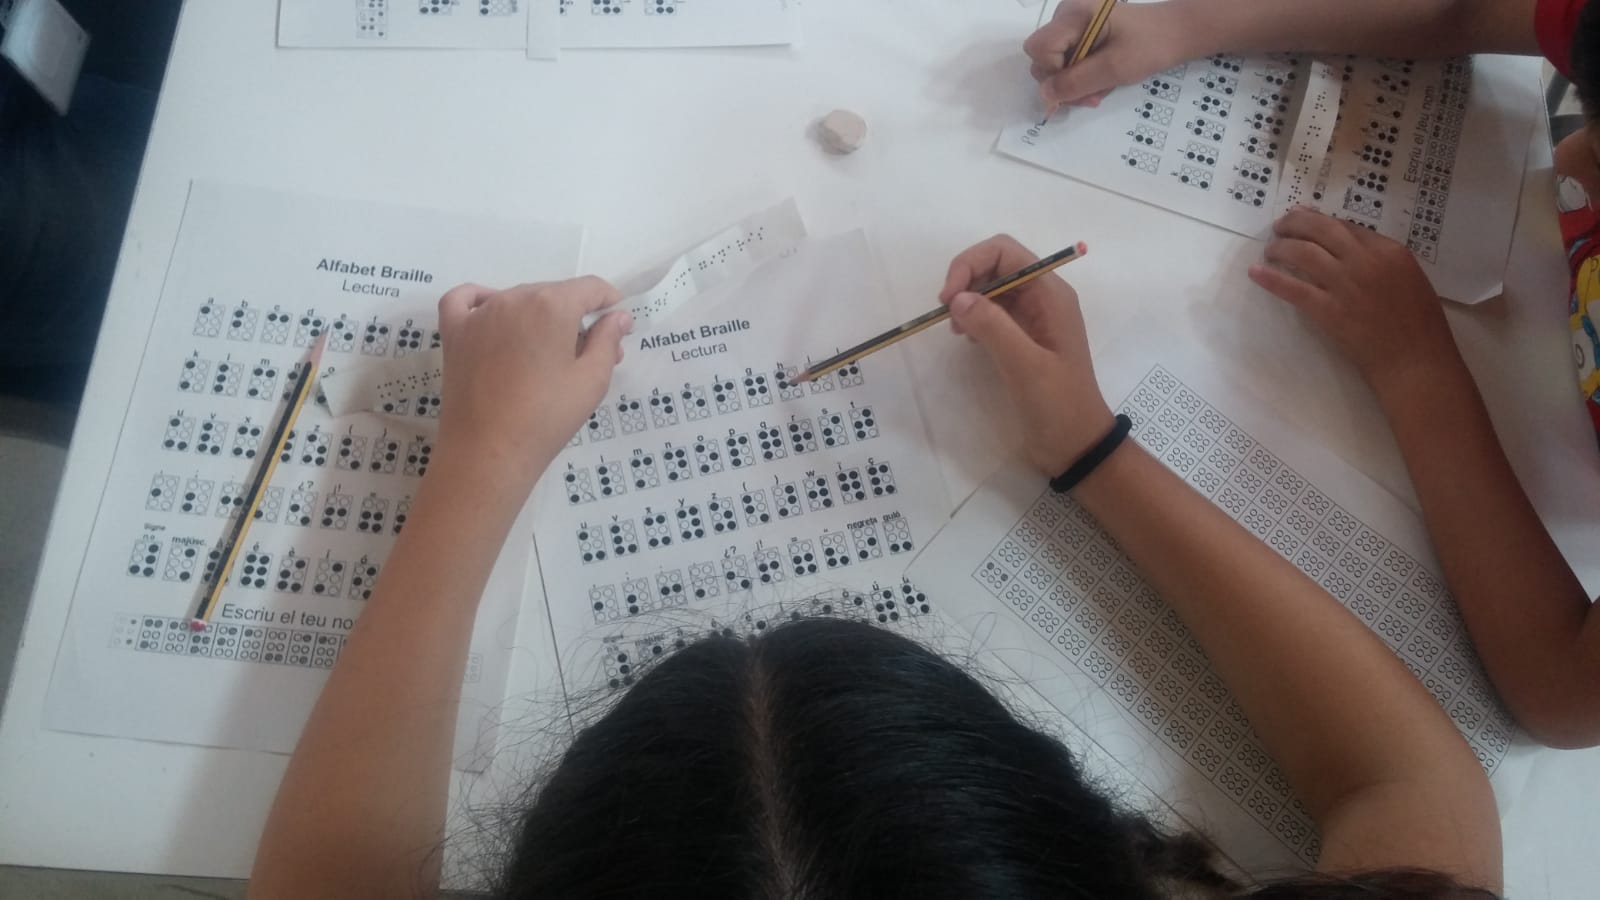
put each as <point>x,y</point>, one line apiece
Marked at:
<point>1092,103</point>
<point>961,303</point>
<point>627,322</point>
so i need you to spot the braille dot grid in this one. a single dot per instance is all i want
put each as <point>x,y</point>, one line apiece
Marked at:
<point>864,538</point>
<point>225,640</point>
<point>437,7</point>
<point>183,557</point>
<point>1061,573</point>
<point>1439,161</point>
<point>497,7</point>
<point>194,376</point>
<point>241,323</point>
<point>372,19</point>
<point>275,328</point>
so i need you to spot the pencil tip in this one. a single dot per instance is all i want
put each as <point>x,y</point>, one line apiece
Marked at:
<point>318,347</point>
<point>802,378</point>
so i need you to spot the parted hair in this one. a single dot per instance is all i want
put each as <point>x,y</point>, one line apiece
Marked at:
<point>835,760</point>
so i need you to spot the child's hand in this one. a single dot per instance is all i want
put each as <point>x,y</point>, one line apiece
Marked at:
<point>1140,40</point>
<point>1364,290</point>
<point>519,380</point>
<point>1035,337</point>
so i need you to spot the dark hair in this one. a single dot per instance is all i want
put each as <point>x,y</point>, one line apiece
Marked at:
<point>1585,59</point>
<point>833,759</point>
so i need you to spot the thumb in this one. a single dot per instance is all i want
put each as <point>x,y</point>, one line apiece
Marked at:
<point>602,346</point>
<point>985,322</point>
<point>1096,74</point>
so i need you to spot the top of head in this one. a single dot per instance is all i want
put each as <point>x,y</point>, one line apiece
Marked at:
<point>832,759</point>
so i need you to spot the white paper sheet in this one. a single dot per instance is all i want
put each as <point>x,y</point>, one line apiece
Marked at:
<point>710,490</point>
<point>1430,154</point>
<point>479,24</point>
<point>544,29</point>
<point>255,279</point>
<point>392,385</point>
<point>678,23</point>
<point>1048,590</point>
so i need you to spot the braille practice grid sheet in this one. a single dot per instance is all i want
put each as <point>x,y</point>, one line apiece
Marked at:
<point>1036,580</point>
<point>256,279</point>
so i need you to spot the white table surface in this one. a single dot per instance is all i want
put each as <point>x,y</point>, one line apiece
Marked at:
<point>653,150</point>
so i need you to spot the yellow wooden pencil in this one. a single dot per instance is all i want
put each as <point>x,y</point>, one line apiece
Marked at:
<point>933,317</point>
<point>258,486</point>
<point>1091,34</point>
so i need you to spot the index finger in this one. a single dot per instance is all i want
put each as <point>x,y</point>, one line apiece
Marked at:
<point>461,300</point>
<point>575,297</point>
<point>999,254</point>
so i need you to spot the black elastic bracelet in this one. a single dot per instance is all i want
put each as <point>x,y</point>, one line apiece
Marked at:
<point>1090,461</point>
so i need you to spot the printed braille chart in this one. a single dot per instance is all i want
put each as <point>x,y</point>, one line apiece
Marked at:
<point>709,484</point>
<point>677,23</point>
<point>481,24</point>
<point>256,279</point>
<point>1214,138</point>
<point>1046,579</point>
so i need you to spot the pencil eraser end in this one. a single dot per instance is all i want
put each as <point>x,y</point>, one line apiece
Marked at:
<point>197,625</point>
<point>1082,248</point>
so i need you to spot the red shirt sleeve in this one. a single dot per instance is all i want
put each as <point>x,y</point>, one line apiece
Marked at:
<point>1553,24</point>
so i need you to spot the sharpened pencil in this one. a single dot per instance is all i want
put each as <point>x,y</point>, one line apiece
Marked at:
<point>258,487</point>
<point>993,289</point>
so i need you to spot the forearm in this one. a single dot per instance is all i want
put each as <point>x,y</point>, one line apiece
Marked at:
<point>1336,709</point>
<point>362,807</point>
<point>1526,611</point>
<point>1407,29</point>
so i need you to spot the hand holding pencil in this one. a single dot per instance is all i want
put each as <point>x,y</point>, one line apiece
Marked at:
<point>1133,42</point>
<point>1036,341</point>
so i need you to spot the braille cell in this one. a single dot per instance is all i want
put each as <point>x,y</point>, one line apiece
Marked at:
<point>212,437</point>
<point>754,506</point>
<point>770,443</point>
<point>835,550</point>
<point>630,415</point>
<point>756,390</point>
<point>802,558</point>
<point>802,436</point>
<point>726,396</point>
<point>740,452</point>
<point>592,544</point>
<point>351,451</point>
<point>690,522</point>
<point>373,516</point>
<point>610,480</point>
<point>335,510</point>
<point>363,576</point>
<point>695,405</point>
<point>864,423</point>
<point>663,410</point>
<point>852,488</point>
<point>897,533</point>
<point>707,456</point>
<point>376,338</point>
<point>242,322</point>
<point>864,538</point>
<point>831,430</point>
<point>657,530</point>
<point>385,455</point>
<point>145,555</point>
<point>642,471</point>
<point>419,453</point>
<point>722,514</point>
<point>194,375</point>
<point>818,495</point>
<point>786,499</point>
<point>599,427</point>
<point>678,465</point>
